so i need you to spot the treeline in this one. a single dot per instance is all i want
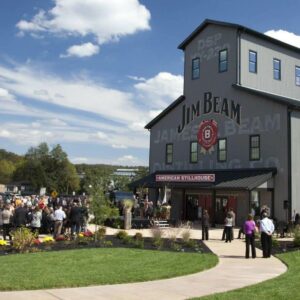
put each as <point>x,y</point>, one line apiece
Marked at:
<point>51,168</point>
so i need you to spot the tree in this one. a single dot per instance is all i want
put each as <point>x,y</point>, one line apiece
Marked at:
<point>7,169</point>
<point>48,168</point>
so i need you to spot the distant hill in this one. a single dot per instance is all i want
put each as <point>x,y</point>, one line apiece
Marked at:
<point>12,157</point>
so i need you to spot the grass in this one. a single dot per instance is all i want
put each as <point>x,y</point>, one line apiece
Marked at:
<point>286,286</point>
<point>85,267</point>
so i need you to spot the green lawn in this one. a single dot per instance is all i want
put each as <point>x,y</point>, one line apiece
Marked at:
<point>285,286</point>
<point>96,266</point>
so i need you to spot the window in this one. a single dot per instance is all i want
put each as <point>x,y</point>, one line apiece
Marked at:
<point>169,153</point>
<point>254,147</point>
<point>196,68</point>
<point>252,62</point>
<point>194,152</point>
<point>222,150</point>
<point>297,75</point>
<point>276,69</point>
<point>223,60</point>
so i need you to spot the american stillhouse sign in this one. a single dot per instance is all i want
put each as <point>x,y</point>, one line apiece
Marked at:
<point>185,178</point>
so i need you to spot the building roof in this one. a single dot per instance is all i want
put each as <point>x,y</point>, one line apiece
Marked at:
<point>239,179</point>
<point>291,103</point>
<point>165,112</point>
<point>206,22</point>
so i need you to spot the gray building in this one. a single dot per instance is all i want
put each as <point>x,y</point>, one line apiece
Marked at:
<point>232,140</point>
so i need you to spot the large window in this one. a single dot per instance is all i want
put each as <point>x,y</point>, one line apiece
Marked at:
<point>276,69</point>
<point>254,147</point>
<point>222,150</point>
<point>194,152</point>
<point>223,60</point>
<point>169,153</point>
<point>297,75</point>
<point>252,61</point>
<point>196,68</point>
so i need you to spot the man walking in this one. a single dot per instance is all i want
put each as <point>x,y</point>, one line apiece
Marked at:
<point>266,230</point>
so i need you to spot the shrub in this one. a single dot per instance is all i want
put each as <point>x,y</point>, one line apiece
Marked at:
<point>175,246</point>
<point>128,240</point>
<point>186,236</point>
<point>157,235</point>
<point>121,234</point>
<point>138,236</point>
<point>3,243</point>
<point>275,243</point>
<point>107,244</point>
<point>117,223</point>
<point>23,239</point>
<point>48,240</point>
<point>297,236</point>
<point>100,233</point>
<point>139,243</point>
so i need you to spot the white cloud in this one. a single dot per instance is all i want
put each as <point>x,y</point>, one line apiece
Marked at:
<point>81,94</point>
<point>136,78</point>
<point>161,90</point>
<point>5,95</point>
<point>116,127</point>
<point>83,50</point>
<point>119,146</point>
<point>5,133</point>
<point>129,160</point>
<point>285,36</point>
<point>104,20</point>
<point>79,160</point>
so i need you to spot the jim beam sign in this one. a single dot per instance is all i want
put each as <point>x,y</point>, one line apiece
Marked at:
<point>207,135</point>
<point>185,178</point>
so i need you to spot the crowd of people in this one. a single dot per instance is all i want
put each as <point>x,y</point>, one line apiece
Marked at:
<point>43,214</point>
<point>262,225</point>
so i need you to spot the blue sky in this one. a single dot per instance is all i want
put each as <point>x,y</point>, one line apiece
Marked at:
<point>89,74</point>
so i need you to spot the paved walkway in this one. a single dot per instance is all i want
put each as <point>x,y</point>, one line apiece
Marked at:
<point>232,272</point>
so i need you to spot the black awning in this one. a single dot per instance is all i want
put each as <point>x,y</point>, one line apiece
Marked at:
<point>245,179</point>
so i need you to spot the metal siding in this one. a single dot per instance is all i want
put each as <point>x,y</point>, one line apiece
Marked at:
<point>295,163</point>
<point>263,80</point>
<point>259,116</point>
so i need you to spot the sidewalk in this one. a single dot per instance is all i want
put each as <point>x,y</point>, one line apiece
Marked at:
<point>232,272</point>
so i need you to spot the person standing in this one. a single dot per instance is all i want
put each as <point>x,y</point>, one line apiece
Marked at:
<point>205,225</point>
<point>35,223</point>
<point>20,216</point>
<point>59,216</point>
<point>228,228</point>
<point>266,230</point>
<point>75,218</point>
<point>233,222</point>
<point>7,216</point>
<point>249,230</point>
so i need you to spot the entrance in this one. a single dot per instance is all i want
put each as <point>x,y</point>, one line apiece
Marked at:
<point>192,202</point>
<point>195,204</point>
<point>223,204</point>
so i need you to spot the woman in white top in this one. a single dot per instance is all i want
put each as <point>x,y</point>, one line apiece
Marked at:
<point>228,228</point>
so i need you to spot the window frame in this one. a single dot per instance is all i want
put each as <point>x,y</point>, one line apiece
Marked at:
<point>191,152</point>
<point>297,82</point>
<point>250,61</point>
<point>221,61</point>
<point>251,148</point>
<point>167,154</point>
<point>223,150</point>
<point>193,68</point>
<point>274,69</point>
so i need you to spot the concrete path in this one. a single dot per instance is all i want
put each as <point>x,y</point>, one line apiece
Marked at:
<point>232,272</point>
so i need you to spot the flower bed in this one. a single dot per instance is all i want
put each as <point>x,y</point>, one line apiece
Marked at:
<point>121,240</point>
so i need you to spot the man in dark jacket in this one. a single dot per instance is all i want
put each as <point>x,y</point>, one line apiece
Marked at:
<point>20,216</point>
<point>75,218</point>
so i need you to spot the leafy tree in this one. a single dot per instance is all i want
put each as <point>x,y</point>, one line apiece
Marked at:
<point>7,169</point>
<point>101,207</point>
<point>48,168</point>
